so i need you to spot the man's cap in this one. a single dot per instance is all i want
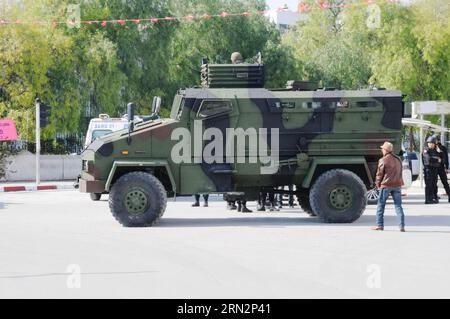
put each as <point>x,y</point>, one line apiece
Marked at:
<point>388,147</point>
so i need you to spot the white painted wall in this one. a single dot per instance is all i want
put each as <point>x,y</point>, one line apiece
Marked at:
<point>22,167</point>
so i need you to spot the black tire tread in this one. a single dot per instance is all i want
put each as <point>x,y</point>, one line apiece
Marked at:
<point>316,191</point>
<point>151,180</point>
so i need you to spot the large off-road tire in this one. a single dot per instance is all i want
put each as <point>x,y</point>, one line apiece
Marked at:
<point>95,196</point>
<point>137,199</point>
<point>338,196</point>
<point>303,201</point>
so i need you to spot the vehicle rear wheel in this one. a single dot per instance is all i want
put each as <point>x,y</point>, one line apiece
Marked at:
<point>137,199</point>
<point>95,196</point>
<point>303,201</point>
<point>338,196</point>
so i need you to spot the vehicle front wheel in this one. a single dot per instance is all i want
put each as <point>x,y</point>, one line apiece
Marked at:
<point>338,196</point>
<point>137,199</point>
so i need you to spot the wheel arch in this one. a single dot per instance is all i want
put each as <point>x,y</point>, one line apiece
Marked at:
<point>355,164</point>
<point>159,168</point>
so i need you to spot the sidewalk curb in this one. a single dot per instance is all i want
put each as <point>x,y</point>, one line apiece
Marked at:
<point>18,188</point>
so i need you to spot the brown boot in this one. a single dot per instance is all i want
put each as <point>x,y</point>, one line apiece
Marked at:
<point>378,228</point>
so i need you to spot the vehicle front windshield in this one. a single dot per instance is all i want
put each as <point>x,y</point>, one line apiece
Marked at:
<point>99,133</point>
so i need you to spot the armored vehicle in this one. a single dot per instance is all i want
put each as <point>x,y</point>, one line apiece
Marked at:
<point>234,136</point>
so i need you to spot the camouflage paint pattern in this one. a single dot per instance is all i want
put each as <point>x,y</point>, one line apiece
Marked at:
<point>313,125</point>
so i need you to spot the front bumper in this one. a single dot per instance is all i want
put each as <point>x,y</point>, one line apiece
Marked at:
<point>92,186</point>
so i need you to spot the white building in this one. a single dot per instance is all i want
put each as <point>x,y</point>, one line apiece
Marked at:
<point>285,18</point>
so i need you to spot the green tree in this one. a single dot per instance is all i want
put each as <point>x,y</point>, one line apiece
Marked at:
<point>327,49</point>
<point>217,38</point>
<point>142,50</point>
<point>68,70</point>
<point>414,54</point>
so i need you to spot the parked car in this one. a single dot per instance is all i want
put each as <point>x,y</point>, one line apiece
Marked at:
<point>414,163</point>
<point>104,125</point>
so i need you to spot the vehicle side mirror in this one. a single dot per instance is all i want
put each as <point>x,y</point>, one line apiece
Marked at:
<point>156,107</point>
<point>131,108</point>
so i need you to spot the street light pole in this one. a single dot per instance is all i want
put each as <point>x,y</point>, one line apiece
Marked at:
<point>38,141</point>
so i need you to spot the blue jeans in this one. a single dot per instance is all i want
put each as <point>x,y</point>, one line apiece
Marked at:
<point>397,196</point>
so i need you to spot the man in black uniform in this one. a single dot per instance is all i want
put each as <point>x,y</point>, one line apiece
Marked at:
<point>442,170</point>
<point>431,161</point>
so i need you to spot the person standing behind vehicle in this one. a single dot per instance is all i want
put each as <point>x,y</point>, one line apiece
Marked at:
<point>389,180</point>
<point>197,200</point>
<point>431,162</point>
<point>443,168</point>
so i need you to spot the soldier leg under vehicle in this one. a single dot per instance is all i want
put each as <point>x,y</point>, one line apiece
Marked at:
<point>197,201</point>
<point>231,205</point>
<point>262,202</point>
<point>443,177</point>
<point>291,196</point>
<point>272,201</point>
<point>205,198</point>
<point>242,206</point>
<point>279,198</point>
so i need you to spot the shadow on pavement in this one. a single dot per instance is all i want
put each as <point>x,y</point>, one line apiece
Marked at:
<point>275,221</point>
<point>23,276</point>
<point>237,222</point>
<point>4,205</point>
<point>414,220</point>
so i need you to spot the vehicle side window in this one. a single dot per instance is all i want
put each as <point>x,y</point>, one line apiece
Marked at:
<point>312,105</point>
<point>318,105</point>
<point>99,133</point>
<point>211,108</point>
<point>284,105</point>
<point>367,104</point>
<point>343,104</point>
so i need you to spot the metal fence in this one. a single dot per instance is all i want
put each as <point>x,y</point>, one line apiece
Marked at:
<point>62,144</point>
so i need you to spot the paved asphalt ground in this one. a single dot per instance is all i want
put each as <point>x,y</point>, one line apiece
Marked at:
<point>48,237</point>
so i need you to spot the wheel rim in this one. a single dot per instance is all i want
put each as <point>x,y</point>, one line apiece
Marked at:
<point>341,197</point>
<point>373,194</point>
<point>136,201</point>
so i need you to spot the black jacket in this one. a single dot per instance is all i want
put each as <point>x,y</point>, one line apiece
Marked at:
<point>430,158</point>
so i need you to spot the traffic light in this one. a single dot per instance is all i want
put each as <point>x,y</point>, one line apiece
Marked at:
<point>44,114</point>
